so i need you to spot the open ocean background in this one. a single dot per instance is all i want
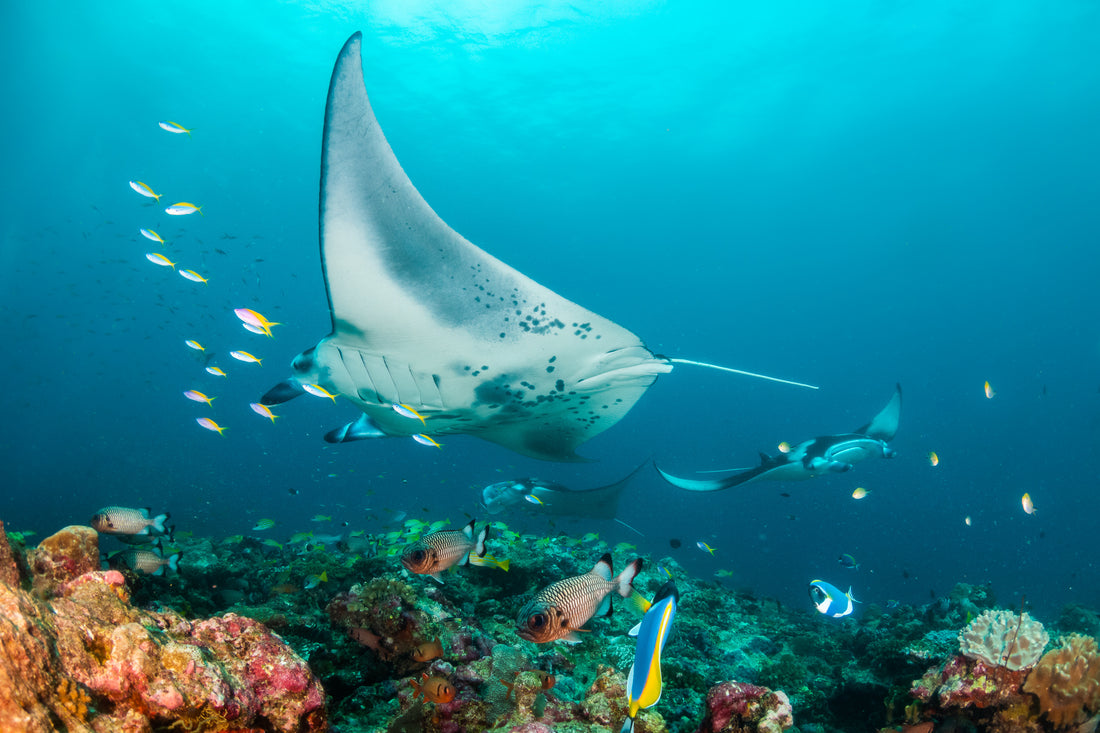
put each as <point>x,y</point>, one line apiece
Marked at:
<point>848,194</point>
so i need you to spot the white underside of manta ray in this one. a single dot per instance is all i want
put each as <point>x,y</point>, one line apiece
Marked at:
<point>423,319</point>
<point>822,455</point>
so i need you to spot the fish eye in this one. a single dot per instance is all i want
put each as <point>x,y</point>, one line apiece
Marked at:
<point>537,621</point>
<point>418,555</point>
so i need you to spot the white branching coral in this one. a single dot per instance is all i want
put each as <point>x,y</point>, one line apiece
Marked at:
<point>1005,639</point>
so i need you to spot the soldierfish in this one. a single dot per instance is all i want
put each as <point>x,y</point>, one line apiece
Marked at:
<point>145,561</point>
<point>436,689</point>
<point>559,610</point>
<point>124,520</point>
<point>433,553</point>
<point>427,651</point>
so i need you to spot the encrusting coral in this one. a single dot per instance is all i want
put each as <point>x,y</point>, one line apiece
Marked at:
<point>1004,639</point>
<point>78,656</point>
<point>1067,680</point>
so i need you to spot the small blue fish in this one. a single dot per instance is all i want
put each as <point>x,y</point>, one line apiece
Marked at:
<point>643,684</point>
<point>830,600</point>
<point>892,603</point>
<point>704,547</point>
<point>848,561</point>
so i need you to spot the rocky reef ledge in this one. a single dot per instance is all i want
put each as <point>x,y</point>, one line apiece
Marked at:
<point>75,655</point>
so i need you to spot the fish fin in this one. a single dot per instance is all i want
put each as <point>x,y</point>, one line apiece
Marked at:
<point>437,578</point>
<point>282,392</point>
<point>884,426</point>
<point>479,547</point>
<point>363,428</point>
<point>637,629</point>
<point>158,522</point>
<point>851,597</point>
<point>638,602</point>
<point>174,562</point>
<point>603,567</point>
<point>573,637</point>
<point>604,609</point>
<point>626,577</point>
<point>503,564</point>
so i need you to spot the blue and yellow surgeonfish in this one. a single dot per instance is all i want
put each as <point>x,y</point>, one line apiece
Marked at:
<point>830,600</point>
<point>643,684</point>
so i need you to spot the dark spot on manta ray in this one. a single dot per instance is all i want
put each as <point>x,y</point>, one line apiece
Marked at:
<point>549,369</point>
<point>560,384</point>
<point>502,334</point>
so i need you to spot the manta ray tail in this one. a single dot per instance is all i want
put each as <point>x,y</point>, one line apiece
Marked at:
<point>741,371</point>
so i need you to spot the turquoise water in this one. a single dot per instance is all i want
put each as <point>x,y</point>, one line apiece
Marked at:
<point>849,196</point>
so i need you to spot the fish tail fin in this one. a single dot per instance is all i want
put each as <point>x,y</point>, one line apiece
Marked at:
<point>626,578</point>
<point>417,689</point>
<point>174,562</point>
<point>158,522</point>
<point>503,565</point>
<point>479,546</point>
<point>628,725</point>
<point>851,597</point>
<point>637,601</point>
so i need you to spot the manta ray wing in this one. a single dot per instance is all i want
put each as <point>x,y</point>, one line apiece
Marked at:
<point>771,468</point>
<point>601,502</point>
<point>884,426</point>
<point>423,318</point>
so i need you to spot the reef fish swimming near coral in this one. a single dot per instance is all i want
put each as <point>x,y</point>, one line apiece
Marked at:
<point>424,320</point>
<point>830,600</point>
<point>121,520</point>
<point>822,455</point>
<point>644,684</point>
<point>433,553</point>
<point>559,610</point>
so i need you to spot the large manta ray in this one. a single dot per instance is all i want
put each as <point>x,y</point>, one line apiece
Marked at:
<point>814,457</point>
<point>433,336</point>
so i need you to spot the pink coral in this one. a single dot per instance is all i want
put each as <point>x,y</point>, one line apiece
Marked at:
<point>972,683</point>
<point>738,707</point>
<point>228,671</point>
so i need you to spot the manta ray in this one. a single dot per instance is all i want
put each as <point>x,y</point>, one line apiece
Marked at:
<point>432,336</point>
<point>546,497</point>
<point>810,458</point>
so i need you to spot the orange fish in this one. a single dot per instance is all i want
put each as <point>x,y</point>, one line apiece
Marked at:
<point>428,651</point>
<point>367,638</point>
<point>284,588</point>
<point>436,689</point>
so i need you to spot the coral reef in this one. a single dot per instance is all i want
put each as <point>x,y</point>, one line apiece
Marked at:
<point>77,656</point>
<point>85,648</point>
<point>1004,638</point>
<point>1067,680</point>
<point>738,707</point>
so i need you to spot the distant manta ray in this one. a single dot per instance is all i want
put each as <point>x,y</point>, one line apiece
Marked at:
<point>810,458</point>
<point>433,336</point>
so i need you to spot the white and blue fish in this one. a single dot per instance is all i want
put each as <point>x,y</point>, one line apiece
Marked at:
<point>644,683</point>
<point>830,600</point>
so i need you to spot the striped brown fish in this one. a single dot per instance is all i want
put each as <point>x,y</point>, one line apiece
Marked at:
<point>433,553</point>
<point>119,520</point>
<point>559,610</point>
